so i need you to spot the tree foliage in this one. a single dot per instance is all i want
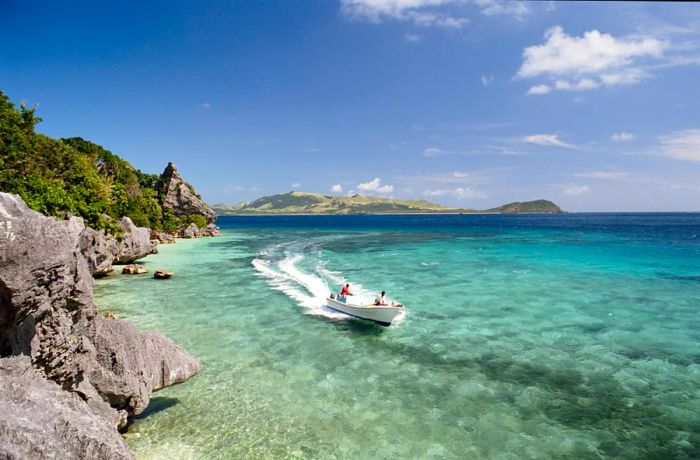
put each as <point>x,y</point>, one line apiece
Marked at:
<point>73,176</point>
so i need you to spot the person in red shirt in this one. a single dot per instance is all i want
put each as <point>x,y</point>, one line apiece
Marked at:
<point>345,291</point>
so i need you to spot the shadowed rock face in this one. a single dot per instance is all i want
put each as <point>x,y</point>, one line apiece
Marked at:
<point>40,420</point>
<point>180,197</point>
<point>47,313</point>
<point>100,250</point>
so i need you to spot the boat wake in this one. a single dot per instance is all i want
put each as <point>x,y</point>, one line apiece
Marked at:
<point>296,269</point>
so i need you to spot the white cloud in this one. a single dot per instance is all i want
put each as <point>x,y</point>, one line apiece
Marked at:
<point>539,89</point>
<point>605,175</point>
<point>577,190</point>
<point>432,151</point>
<point>551,140</point>
<point>588,62</point>
<point>460,175</point>
<point>682,145</point>
<point>459,192</point>
<point>296,185</point>
<point>205,105</point>
<point>375,185</point>
<point>516,9</point>
<point>486,80</point>
<point>583,84</point>
<point>437,13</point>
<point>337,188</point>
<point>411,38</point>
<point>623,136</point>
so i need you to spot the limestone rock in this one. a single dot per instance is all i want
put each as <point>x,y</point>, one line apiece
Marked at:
<point>191,231</point>
<point>47,313</point>
<point>100,250</point>
<point>211,230</point>
<point>162,274</point>
<point>162,237</point>
<point>40,420</point>
<point>136,244</point>
<point>133,269</point>
<point>135,363</point>
<point>181,198</point>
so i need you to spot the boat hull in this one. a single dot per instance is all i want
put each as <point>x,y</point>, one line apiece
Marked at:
<point>383,315</point>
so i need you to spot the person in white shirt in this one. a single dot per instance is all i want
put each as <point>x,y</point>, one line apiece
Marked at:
<point>381,300</point>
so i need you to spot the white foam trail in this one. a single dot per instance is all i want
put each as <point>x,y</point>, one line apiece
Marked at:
<point>308,290</point>
<point>279,264</point>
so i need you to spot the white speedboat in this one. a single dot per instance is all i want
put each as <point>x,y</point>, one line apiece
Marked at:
<point>382,314</point>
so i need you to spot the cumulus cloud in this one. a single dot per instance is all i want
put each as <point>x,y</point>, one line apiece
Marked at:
<point>593,60</point>
<point>375,185</point>
<point>623,136</point>
<point>337,188</point>
<point>577,190</point>
<point>682,145</point>
<point>486,80</point>
<point>539,89</point>
<point>459,192</point>
<point>296,185</point>
<point>551,140</point>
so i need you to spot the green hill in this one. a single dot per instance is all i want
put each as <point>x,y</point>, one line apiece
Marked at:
<point>316,203</point>
<point>537,206</point>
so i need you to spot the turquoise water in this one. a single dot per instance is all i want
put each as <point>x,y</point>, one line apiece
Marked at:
<point>574,336</point>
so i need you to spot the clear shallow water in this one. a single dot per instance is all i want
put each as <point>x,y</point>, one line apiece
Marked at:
<point>573,336</point>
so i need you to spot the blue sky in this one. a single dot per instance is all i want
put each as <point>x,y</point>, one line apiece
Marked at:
<point>469,103</point>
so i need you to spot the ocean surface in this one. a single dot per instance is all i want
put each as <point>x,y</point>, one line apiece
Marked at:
<point>572,336</point>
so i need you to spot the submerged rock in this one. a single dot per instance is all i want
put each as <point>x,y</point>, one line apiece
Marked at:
<point>133,269</point>
<point>181,198</point>
<point>136,244</point>
<point>162,274</point>
<point>40,420</point>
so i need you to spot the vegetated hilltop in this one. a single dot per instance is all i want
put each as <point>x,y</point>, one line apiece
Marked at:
<point>60,177</point>
<point>316,203</point>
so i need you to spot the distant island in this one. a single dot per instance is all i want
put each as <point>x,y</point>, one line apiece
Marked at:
<point>316,203</point>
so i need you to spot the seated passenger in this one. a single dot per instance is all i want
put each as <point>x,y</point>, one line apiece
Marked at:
<point>381,300</point>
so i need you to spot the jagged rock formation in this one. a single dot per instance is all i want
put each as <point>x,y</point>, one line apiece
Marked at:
<point>100,250</point>
<point>136,244</point>
<point>47,313</point>
<point>181,198</point>
<point>40,420</point>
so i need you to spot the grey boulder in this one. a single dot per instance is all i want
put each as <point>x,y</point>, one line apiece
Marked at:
<point>136,244</point>
<point>40,420</point>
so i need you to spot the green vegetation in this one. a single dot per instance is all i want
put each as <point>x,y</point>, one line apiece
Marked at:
<point>61,177</point>
<point>315,203</point>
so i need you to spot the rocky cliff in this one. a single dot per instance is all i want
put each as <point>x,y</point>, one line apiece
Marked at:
<point>47,315</point>
<point>181,197</point>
